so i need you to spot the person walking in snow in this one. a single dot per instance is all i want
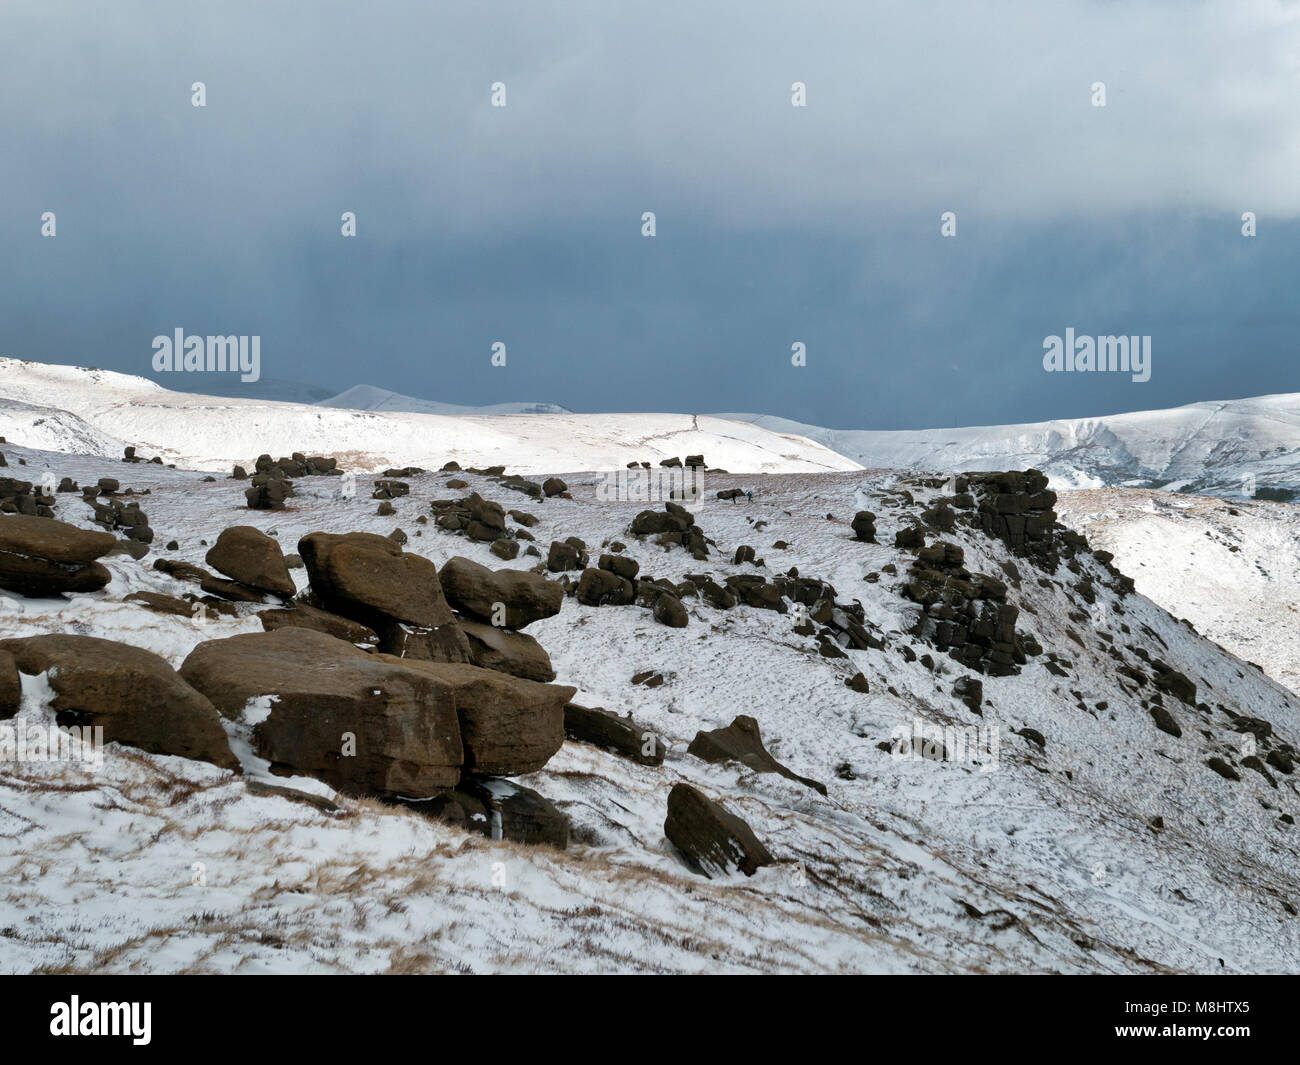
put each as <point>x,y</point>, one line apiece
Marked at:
<point>750,495</point>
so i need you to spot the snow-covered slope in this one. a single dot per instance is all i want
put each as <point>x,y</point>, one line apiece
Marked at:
<point>1108,847</point>
<point>98,412</point>
<point>370,397</point>
<point>1207,448</point>
<point>1232,568</point>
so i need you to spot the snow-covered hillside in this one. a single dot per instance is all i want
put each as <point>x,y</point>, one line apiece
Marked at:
<point>1231,567</point>
<point>1207,448</point>
<point>1092,841</point>
<point>370,397</point>
<point>98,412</point>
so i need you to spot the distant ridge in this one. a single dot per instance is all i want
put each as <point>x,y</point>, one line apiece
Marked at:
<point>371,397</point>
<point>74,409</point>
<point>1206,448</point>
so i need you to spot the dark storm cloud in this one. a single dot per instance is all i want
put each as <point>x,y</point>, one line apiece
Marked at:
<point>775,224</point>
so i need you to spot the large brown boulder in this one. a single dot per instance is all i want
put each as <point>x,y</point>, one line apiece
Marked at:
<point>508,725</point>
<point>316,691</point>
<point>55,541</point>
<point>476,590</point>
<point>369,578</point>
<point>714,840</point>
<point>43,557</point>
<point>515,653</point>
<point>133,693</point>
<point>249,556</point>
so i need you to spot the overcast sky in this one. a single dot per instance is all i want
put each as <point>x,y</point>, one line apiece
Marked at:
<point>775,223</point>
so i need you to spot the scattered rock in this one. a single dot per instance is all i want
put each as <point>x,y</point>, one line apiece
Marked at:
<point>499,809</point>
<point>668,610</point>
<point>250,557</point>
<point>1165,721</point>
<point>742,742</point>
<point>864,526</point>
<point>1222,768</point>
<point>602,728</point>
<point>714,841</point>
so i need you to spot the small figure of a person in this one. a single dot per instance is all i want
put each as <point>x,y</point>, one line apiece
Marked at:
<point>750,495</point>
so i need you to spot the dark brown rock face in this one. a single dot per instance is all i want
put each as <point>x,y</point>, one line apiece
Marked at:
<point>668,610</point>
<point>249,556</point>
<point>621,566</point>
<point>714,840</point>
<point>476,590</point>
<point>564,556</point>
<point>368,578</point>
<point>11,689</point>
<point>164,604</point>
<point>602,587</point>
<point>515,653</point>
<point>1017,507</point>
<point>499,809</point>
<point>310,692</point>
<point>742,742</point>
<point>599,727</point>
<point>43,557</point>
<point>966,614</point>
<point>136,697</point>
<point>508,725</point>
<point>300,615</point>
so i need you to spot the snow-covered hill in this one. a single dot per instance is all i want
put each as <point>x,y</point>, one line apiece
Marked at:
<point>370,397</point>
<point>1096,843</point>
<point>98,412</point>
<point>1206,448</point>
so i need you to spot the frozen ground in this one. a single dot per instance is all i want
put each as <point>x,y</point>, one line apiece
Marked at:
<point>1048,863</point>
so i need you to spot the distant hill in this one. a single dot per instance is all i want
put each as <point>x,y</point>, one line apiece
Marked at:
<point>98,412</point>
<point>370,397</point>
<point>1206,448</point>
